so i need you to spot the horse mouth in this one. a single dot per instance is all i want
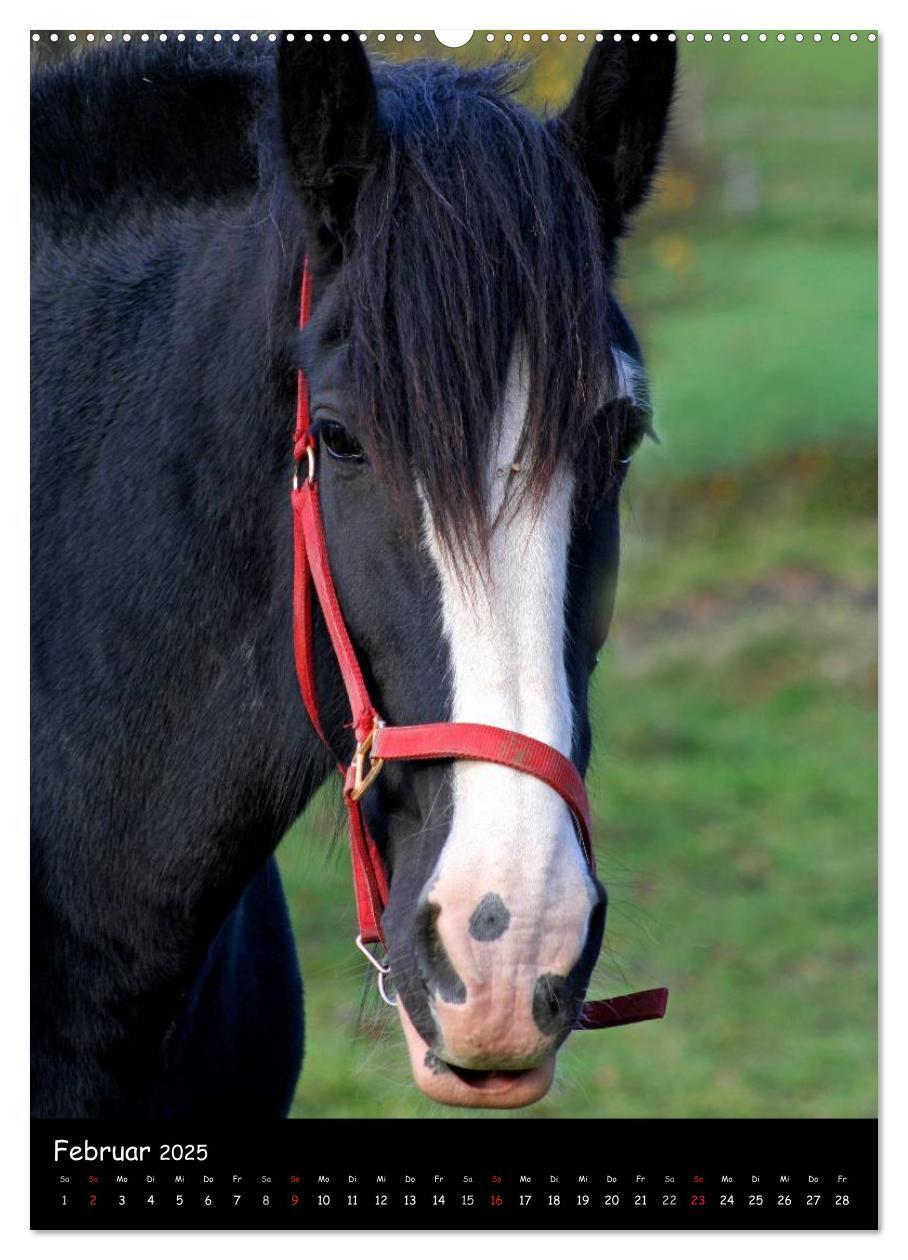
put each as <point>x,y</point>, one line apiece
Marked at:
<point>490,1081</point>
<point>455,1086</point>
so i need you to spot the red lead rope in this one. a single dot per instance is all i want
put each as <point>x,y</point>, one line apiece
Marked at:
<point>439,741</point>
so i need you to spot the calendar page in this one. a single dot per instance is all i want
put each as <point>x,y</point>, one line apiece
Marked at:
<point>454,587</point>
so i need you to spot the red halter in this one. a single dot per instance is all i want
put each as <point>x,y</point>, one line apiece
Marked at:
<point>439,741</point>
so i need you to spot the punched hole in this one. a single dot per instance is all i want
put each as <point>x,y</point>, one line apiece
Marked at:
<point>453,39</point>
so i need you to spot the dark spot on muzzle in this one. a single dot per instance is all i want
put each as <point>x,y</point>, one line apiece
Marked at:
<point>490,919</point>
<point>434,964</point>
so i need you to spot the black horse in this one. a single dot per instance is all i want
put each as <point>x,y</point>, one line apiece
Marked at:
<point>477,392</point>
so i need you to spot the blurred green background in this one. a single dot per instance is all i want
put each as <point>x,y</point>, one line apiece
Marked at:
<point>734,776</point>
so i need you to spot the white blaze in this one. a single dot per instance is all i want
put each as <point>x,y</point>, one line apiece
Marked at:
<point>511,834</point>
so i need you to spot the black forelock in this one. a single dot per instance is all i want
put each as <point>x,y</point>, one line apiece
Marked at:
<point>475,230</point>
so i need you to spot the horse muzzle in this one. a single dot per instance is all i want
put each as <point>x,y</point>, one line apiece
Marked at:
<point>486,999</point>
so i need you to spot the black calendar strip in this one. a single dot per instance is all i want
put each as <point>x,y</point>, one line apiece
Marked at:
<point>597,1174</point>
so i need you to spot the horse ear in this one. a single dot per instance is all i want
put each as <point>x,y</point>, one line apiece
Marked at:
<point>617,118</point>
<point>329,117</point>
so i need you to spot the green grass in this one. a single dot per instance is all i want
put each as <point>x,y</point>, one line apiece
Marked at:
<point>773,349</point>
<point>734,781</point>
<point>752,278</point>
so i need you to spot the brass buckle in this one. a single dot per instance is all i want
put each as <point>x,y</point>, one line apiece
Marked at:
<point>363,778</point>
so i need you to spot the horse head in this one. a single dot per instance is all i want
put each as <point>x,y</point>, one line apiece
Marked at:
<point>476,394</point>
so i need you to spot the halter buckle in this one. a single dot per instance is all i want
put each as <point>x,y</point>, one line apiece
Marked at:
<point>363,778</point>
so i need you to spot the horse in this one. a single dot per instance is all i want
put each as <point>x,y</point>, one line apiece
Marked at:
<point>478,394</point>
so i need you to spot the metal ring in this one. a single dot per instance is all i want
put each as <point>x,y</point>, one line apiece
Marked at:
<point>310,474</point>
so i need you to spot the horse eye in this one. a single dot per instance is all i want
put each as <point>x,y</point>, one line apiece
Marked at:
<point>638,424</point>
<point>340,443</point>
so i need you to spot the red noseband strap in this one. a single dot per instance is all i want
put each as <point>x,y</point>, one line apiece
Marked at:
<point>377,742</point>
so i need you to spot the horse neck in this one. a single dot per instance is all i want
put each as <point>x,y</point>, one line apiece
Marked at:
<point>170,679</point>
<point>256,749</point>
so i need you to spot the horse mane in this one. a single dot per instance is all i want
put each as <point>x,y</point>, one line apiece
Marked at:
<point>475,233</point>
<point>132,129</point>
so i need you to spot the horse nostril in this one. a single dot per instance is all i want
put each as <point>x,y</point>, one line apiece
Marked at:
<point>436,967</point>
<point>554,1003</point>
<point>556,998</point>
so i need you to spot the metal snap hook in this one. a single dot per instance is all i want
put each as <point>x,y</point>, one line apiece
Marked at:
<point>382,966</point>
